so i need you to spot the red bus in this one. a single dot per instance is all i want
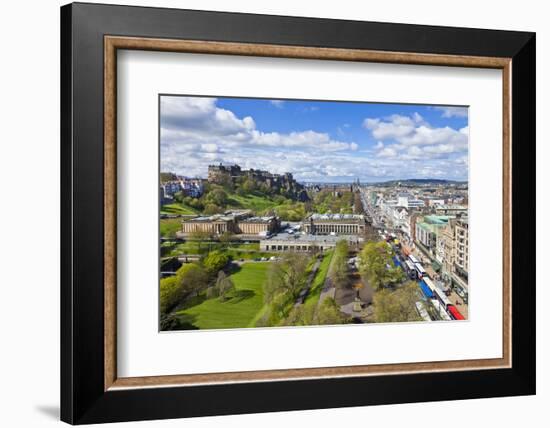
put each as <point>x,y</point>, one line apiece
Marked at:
<point>454,312</point>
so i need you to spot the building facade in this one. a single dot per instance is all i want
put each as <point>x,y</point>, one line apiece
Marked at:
<point>302,243</point>
<point>258,225</point>
<point>214,225</point>
<point>337,224</point>
<point>237,222</point>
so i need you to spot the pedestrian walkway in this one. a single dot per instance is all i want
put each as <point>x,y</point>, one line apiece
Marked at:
<point>302,297</point>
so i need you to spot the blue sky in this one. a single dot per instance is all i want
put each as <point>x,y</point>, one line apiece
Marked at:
<point>321,141</point>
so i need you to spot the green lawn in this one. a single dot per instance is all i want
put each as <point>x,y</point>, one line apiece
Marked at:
<point>169,227</point>
<point>177,208</point>
<point>252,202</point>
<point>242,310</point>
<point>318,281</point>
<point>236,250</point>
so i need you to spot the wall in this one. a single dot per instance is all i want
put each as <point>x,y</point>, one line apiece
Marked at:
<point>29,166</point>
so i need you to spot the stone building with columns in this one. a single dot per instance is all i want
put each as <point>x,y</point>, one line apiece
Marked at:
<point>336,224</point>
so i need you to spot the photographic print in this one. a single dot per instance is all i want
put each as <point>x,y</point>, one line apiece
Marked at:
<point>281,213</point>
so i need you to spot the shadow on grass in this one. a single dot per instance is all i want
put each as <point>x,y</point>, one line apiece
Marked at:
<point>185,322</point>
<point>233,268</point>
<point>240,295</point>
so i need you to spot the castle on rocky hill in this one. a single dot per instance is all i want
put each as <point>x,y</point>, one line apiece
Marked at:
<point>275,182</point>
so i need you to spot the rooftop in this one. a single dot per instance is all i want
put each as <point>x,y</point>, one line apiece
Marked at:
<point>438,220</point>
<point>265,219</point>
<point>308,238</point>
<point>337,217</point>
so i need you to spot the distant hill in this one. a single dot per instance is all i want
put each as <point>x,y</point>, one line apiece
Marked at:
<point>417,181</point>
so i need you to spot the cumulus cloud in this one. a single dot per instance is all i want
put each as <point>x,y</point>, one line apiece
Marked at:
<point>195,132</point>
<point>421,149</point>
<point>453,111</point>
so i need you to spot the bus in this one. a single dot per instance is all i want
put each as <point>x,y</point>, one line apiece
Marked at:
<point>429,283</point>
<point>413,259</point>
<point>453,311</point>
<point>425,290</point>
<point>409,268</point>
<point>442,298</point>
<point>440,310</point>
<point>420,270</point>
<point>422,311</point>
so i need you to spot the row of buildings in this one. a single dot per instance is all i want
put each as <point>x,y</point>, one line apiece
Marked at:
<point>243,222</point>
<point>435,221</point>
<point>445,239</point>
<point>192,187</point>
<point>235,222</point>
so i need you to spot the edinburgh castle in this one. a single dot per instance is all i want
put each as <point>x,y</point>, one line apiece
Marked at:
<point>278,183</point>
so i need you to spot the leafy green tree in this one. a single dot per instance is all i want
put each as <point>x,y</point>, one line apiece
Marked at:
<point>339,269</point>
<point>215,261</point>
<point>211,208</point>
<point>375,265</point>
<point>328,313</point>
<point>192,278</point>
<point>286,277</point>
<point>248,186</point>
<point>169,293</point>
<point>398,305</point>
<point>217,197</point>
<point>299,316</point>
<point>174,289</point>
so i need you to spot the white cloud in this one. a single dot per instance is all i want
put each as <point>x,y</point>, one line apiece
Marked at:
<point>453,111</point>
<point>388,152</point>
<point>277,103</point>
<point>195,132</point>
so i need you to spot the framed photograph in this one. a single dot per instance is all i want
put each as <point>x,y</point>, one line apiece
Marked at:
<point>267,213</point>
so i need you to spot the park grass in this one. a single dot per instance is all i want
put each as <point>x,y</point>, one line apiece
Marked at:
<point>178,208</point>
<point>252,202</point>
<point>319,281</point>
<point>241,310</point>
<point>169,227</point>
<point>235,250</point>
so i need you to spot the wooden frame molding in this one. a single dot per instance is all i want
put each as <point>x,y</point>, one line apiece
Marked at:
<point>113,43</point>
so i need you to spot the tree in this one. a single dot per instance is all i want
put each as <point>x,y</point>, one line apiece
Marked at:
<point>217,197</point>
<point>215,261</point>
<point>358,204</point>
<point>224,285</point>
<point>339,269</point>
<point>286,277</point>
<point>248,186</point>
<point>200,236</point>
<point>226,238</point>
<point>398,305</point>
<point>328,313</point>
<point>169,322</point>
<point>210,209</point>
<point>173,290</point>
<point>191,277</point>
<point>169,294</point>
<point>299,315</point>
<point>375,265</point>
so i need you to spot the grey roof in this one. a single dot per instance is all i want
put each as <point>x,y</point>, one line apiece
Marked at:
<point>309,238</point>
